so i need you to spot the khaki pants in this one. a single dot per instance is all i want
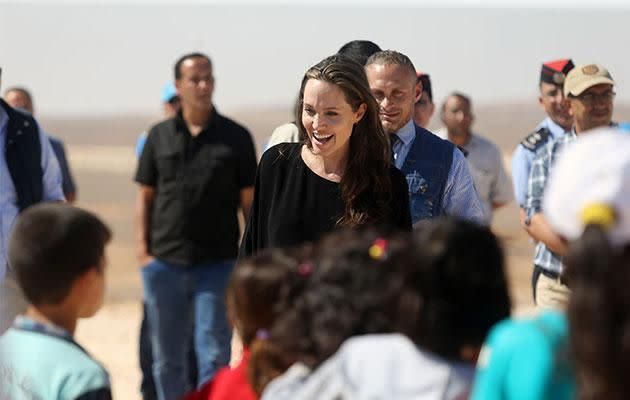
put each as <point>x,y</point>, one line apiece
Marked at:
<point>12,301</point>
<point>551,294</point>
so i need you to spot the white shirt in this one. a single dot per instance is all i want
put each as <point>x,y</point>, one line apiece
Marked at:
<point>488,172</point>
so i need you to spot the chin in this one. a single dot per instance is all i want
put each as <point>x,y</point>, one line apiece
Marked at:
<point>390,128</point>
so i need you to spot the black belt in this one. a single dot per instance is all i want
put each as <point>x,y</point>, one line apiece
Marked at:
<point>551,275</point>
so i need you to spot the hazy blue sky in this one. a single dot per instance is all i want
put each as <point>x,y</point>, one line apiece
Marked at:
<point>113,57</point>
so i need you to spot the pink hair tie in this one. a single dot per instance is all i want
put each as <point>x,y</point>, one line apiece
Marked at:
<point>305,269</point>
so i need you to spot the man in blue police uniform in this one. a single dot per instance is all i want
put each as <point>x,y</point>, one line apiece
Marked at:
<point>556,124</point>
<point>589,93</point>
<point>437,173</point>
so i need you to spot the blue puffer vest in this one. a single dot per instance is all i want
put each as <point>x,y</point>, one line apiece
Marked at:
<point>426,168</point>
<point>23,156</point>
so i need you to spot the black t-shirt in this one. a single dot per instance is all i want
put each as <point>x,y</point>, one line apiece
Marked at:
<point>198,182</point>
<point>293,205</point>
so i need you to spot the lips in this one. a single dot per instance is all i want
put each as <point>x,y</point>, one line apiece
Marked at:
<point>321,139</point>
<point>390,116</point>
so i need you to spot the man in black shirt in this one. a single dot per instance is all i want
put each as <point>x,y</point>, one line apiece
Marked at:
<point>195,171</point>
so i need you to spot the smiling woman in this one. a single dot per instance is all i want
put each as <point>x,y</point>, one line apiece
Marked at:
<point>340,176</point>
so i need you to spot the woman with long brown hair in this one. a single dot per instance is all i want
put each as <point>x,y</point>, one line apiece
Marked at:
<point>340,176</point>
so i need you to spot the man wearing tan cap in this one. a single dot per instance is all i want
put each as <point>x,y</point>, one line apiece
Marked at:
<point>589,93</point>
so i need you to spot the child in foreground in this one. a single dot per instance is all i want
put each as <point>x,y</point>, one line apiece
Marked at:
<point>388,317</point>
<point>58,254</point>
<point>256,285</point>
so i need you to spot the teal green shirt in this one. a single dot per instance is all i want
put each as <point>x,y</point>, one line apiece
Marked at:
<point>41,365</point>
<point>526,360</point>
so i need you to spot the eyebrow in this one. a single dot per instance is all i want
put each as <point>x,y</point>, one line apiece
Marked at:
<point>327,108</point>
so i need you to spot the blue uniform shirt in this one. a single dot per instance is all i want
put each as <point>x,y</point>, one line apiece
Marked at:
<point>523,158</point>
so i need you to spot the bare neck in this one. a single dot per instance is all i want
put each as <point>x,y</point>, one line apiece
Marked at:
<point>196,118</point>
<point>459,140</point>
<point>331,167</point>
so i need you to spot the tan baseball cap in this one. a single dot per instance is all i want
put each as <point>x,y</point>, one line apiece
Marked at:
<point>585,76</point>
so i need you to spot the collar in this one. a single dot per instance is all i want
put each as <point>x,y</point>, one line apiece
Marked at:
<point>555,129</point>
<point>212,122</point>
<point>27,324</point>
<point>407,133</point>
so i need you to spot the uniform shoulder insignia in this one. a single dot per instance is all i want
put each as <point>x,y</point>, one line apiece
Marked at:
<point>536,139</point>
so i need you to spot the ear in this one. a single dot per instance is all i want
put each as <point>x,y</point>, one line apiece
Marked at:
<point>569,105</point>
<point>431,109</point>
<point>417,92</point>
<point>358,115</point>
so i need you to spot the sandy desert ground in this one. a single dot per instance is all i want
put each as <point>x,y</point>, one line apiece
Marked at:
<point>101,155</point>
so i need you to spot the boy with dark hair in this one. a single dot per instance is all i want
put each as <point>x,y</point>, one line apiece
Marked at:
<point>58,254</point>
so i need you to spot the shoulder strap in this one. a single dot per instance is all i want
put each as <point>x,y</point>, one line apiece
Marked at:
<point>536,139</point>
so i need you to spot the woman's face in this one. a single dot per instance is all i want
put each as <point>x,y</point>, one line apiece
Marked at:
<point>328,118</point>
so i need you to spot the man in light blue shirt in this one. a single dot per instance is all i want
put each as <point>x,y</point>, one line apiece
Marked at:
<point>20,186</point>
<point>437,173</point>
<point>557,123</point>
<point>484,157</point>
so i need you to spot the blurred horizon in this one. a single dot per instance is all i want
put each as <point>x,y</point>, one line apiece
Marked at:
<point>86,59</point>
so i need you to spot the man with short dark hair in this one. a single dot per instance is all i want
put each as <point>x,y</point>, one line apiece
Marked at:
<point>555,125</point>
<point>589,92</point>
<point>20,98</point>
<point>485,159</point>
<point>29,174</point>
<point>196,170</point>
<point>437,173</point>
<point>359,50</point>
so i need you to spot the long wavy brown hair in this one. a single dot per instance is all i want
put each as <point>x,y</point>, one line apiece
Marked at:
<point>366,183</point>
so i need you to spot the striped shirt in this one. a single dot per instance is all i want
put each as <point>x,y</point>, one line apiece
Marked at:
<point>539,175</point>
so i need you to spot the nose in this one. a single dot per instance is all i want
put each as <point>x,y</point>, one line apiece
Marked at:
<point>318,122</point>
<point>204,84</point>
<point>461,115</point>
<point>385,103</point>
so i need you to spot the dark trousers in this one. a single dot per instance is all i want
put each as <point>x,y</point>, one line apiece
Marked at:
<point>147,385</point>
